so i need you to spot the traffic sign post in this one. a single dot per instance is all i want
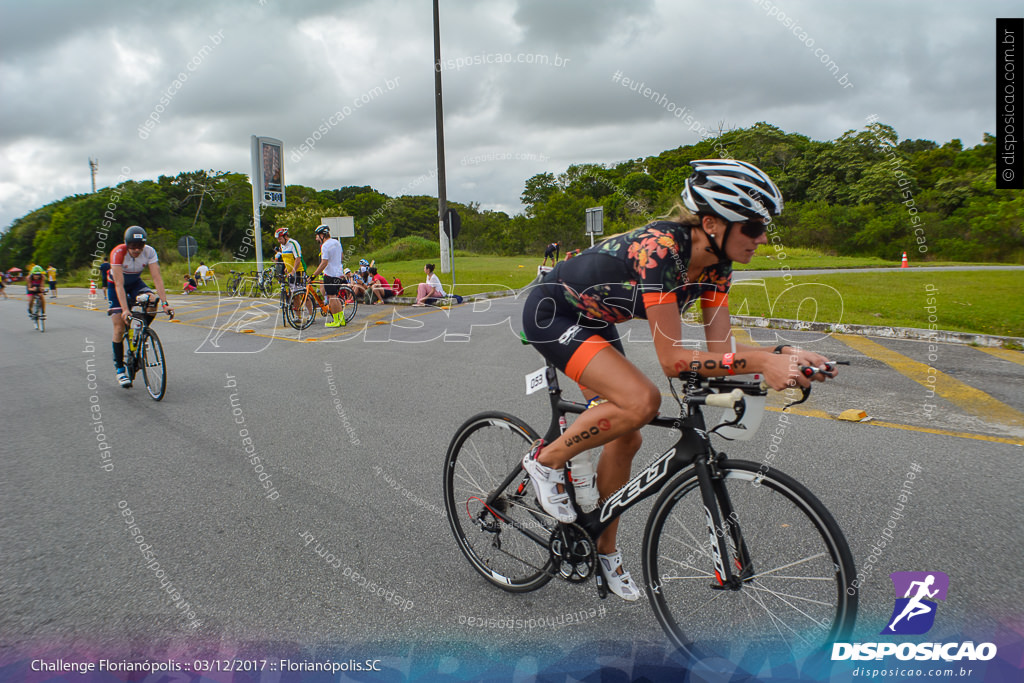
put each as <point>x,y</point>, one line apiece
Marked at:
<point>451,225</point>
<point>595,222</point>
<point>188,247</point>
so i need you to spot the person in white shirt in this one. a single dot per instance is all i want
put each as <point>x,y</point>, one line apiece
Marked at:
<point>331,254</point>
<point>429,289</point>
<point>201,272</point>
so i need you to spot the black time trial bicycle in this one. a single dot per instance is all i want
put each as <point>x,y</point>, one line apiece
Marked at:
<point>735,553</point>
<point>142,348</point>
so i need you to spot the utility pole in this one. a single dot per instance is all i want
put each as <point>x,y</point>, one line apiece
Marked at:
<point>93,165</point>
<point>442,195</point>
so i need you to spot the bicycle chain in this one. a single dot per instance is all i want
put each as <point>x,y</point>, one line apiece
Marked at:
<point>569,569</point>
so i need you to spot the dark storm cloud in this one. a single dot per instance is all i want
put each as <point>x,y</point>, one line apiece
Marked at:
<point>528,85</point>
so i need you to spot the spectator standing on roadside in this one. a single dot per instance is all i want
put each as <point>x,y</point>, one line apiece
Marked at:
<point>331,254</point>
<point>105,280</point>
<point>51,277</point>
<point>430,289</point>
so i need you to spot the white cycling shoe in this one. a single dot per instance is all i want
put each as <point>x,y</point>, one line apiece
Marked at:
<point>619,582</point>
<point>545,482</point>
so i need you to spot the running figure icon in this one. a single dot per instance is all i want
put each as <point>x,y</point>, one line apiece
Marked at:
<point>915,607</point>
<point>916,593</point>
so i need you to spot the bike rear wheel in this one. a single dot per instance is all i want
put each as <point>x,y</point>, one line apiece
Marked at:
<point>154,370</point>
<point>795,564</point>
<point>481,455</point>
<point>301,311</point>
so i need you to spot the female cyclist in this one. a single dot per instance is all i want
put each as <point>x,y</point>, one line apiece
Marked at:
<point>653,272</point>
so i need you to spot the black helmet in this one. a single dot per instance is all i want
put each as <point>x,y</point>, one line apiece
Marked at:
<point>134,234</point>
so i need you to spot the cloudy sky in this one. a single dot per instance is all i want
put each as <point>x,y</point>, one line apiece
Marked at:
<point>529,85</point>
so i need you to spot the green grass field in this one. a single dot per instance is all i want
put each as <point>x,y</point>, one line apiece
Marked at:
<point>981,302</point>
<point>987,302</point>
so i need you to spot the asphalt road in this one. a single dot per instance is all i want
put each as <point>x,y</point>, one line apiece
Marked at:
<point>359,478</point>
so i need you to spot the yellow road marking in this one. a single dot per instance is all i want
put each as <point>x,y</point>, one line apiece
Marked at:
<point>966,397</point>
<point>742,336</point>
<point>945,432</point>
<point>1006,354</point>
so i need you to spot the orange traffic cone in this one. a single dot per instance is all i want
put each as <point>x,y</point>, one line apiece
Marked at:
<point>92,288</point>
<point>904,264</point>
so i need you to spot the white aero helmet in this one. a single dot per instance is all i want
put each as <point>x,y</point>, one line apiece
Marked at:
<point>731,189</point>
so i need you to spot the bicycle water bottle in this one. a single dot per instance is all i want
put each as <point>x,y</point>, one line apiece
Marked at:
<point>133,333</point>
<point>583,474</point>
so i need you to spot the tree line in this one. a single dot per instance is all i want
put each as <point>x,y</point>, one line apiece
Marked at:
<point>865,193</point>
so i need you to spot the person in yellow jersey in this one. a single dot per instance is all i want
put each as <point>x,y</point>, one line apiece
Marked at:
<point>51,277</point>
<point>291,254</point>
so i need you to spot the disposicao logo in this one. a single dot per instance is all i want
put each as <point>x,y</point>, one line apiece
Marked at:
<point>914,614</point>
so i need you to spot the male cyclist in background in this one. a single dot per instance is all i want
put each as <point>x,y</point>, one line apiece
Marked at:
<point>291,254</point>
<point>34,286</point>
<point>126,263</point>
<point>331,254</point>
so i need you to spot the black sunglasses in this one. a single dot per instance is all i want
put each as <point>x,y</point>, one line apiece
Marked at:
<point>753,229</point>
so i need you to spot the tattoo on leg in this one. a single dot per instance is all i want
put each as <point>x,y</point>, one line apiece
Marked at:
<point>582,436</point>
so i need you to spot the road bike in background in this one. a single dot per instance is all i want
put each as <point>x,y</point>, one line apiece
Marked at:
<point>306,301</point>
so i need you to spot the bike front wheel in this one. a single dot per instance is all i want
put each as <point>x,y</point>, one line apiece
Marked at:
<point>506,541</point>
<point>37,314</point>
<point>349,305</point>
<point>301,311</point>
<point>154,370</point>
<point>795,596</point>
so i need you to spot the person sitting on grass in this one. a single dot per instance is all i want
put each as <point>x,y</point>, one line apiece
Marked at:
<point>431,289</point>
<point>379,287</point>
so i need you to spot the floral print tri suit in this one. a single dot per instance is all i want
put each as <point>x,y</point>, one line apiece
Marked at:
<point>571,314</point>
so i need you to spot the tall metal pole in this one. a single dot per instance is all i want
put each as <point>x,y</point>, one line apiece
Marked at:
<point>93,165</point>
<point>442,195</point>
